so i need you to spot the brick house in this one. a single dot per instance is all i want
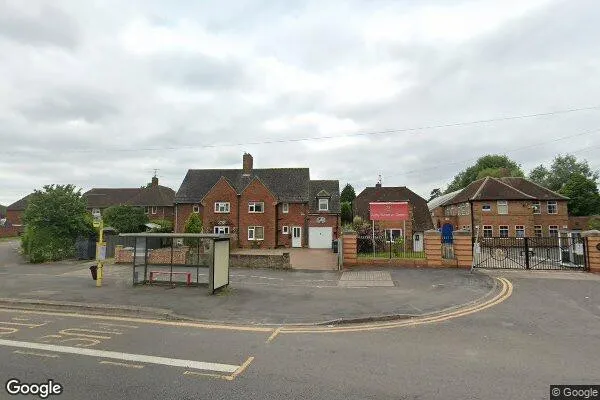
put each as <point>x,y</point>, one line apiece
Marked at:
<point>266,207</point>
<point>14,214</point>
<point>156,200</point>
<point>418,221</point>
<point>502,207</point>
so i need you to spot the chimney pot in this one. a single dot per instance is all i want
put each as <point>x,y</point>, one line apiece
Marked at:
<point>154,181</point>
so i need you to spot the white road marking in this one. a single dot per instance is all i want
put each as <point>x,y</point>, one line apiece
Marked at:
<point>173,362</point>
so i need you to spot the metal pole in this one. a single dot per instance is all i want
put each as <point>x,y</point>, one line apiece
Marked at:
<point>404,237</point>
<point>373,234</point>
<point>171,274</point>
<point>100,267</point>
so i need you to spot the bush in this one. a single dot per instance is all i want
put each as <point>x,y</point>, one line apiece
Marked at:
<point>42,245</point>
<point>192,225</point>
<point>125,219</point>
<point>166,226</point>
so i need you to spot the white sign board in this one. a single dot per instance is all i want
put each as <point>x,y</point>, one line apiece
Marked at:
<point>102,251</point>
<point>579,249</point>
<point>219,276</point>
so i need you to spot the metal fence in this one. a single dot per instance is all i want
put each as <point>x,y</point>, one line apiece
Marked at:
<point>383,247</point>
<point>544,253</point>
<point>447,244</point>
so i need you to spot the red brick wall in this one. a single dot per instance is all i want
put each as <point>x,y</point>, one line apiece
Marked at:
<point>14,217</point>
<point>519,213</point>
<point>10,231</point>
<point>183,213</point>
<point>256,191</point>
<point>167,213</point>
<point>222,191</point>
<point>295,217</point>
<point>381,225</point>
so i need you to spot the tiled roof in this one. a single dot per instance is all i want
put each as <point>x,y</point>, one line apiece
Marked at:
<point>107,197</point>
<point>325,188</point>
<point>153,196</point>
<point>421,217</point>
<point>510,188</point>
<point>441,199</point>
<point>288,184</point>
<point>19,205</point>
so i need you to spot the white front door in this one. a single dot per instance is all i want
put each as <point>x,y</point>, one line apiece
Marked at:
<point>296,236</point>
<point>418,242</point>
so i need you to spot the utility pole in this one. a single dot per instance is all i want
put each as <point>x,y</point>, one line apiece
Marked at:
<point>100,250</point>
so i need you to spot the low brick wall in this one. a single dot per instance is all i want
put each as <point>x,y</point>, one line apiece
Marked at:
<point>10,231</point>
<point>155,256</point>
<point>275,261</point>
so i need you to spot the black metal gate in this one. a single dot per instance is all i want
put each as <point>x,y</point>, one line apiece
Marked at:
<point>543,253</point>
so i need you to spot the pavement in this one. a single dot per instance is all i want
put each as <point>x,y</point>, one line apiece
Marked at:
<point>254,296</point>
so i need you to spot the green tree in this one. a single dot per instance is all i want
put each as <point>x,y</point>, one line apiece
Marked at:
<point>54,217</point>
<point>583,195</point>
<point>125,219</point>
<point>346,212</point>
<point>2,211</point>
<point>490,165</point>
<point>348,194</point>
<point>437,192</point>
<point>560,172</point>
<point>192,225</point>
<point>594,223</point>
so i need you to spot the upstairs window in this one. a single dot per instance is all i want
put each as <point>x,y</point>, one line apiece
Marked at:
<point>552,207</point>
<point>323,204</point>
<point>285,208</point>
<point>486,207</point>
<point>256,207</point>
<point>196,208</point>
<point>536,207</point>
<point>222,207</point>
<point>502,207</point>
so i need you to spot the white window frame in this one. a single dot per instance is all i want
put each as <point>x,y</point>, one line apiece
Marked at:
<point>324,202</point>
<point>285,230</point>
<point>221,230</point>
<point>489,228</point>
<point>484,209</point>
<point>146,209</point>
<point>252,232</point>
<point>552,203</point>
<point>537,207</point>
<point>500,229</point>
<point>222,207</point>
<point>196,208</point>
<point>96,211</point>
<point>520,228</point>
<point>252,207</point>
<point>389,234</point>
<point>502,205</point>
<point>538,229</point>
<point>285,208</point>
<point>553,228</point>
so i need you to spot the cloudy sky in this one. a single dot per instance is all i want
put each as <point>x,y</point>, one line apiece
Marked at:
<point>99,93</point>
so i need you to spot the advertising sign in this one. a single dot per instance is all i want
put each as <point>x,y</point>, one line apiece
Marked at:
<point>396,211</point>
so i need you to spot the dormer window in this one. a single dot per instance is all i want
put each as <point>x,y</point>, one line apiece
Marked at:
<point>323,204</point>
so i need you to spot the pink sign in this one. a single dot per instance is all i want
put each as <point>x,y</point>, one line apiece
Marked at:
<point>397,211</point>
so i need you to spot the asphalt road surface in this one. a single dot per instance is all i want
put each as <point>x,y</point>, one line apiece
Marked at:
<point>547,332</point>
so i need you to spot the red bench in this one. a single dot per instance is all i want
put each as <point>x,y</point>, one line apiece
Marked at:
<point>188,278</point>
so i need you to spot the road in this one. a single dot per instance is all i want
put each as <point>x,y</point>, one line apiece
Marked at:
<point>546,333</point>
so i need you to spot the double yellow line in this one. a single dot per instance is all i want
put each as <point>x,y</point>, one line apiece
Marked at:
<point>506,289</point>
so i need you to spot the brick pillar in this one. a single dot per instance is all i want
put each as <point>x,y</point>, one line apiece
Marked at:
<point>463,248</point>
<point>349,248</point>
<point>593,250</point>
<point>433,248</point>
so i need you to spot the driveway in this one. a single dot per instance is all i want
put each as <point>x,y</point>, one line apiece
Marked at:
<point>9,252</point>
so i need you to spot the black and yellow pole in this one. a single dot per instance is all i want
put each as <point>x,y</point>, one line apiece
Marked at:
<point>100,253</point>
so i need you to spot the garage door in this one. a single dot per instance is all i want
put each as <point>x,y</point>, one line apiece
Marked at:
<point>320,238</point>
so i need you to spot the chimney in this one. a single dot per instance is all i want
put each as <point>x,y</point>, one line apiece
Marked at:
<point>154,181</point>
<point>247,164</point>
<point>378,184</point>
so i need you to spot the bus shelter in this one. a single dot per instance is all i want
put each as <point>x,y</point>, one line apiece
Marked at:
<point>178,258</point>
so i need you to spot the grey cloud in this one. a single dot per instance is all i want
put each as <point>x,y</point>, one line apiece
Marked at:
<point>200,71</point>
<point>51,26</point>
<point>70,104</point>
